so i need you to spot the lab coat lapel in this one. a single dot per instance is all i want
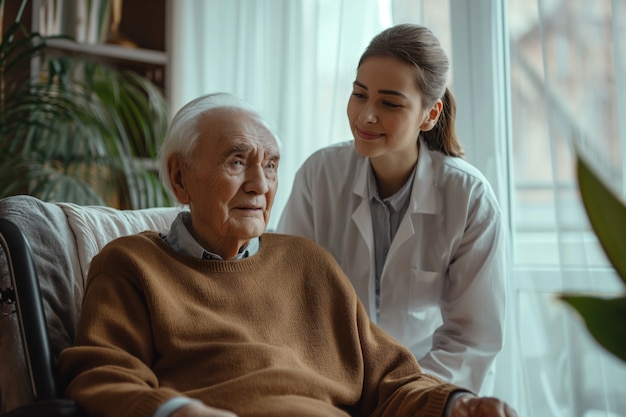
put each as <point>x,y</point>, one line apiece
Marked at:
<point>361,215</point>
<point>362,220</point>
<point>423,198</point>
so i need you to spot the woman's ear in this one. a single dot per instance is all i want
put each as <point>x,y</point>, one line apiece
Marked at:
<point>432,116</point>
<point>175,167</point>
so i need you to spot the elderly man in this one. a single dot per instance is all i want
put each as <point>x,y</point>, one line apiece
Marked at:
<point>218,319</point>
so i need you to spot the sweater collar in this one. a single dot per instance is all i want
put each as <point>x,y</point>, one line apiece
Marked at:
<point>181,240</point>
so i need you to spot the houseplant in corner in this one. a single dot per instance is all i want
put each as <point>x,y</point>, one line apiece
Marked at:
<point>604,317</point>
<point>79,131</point>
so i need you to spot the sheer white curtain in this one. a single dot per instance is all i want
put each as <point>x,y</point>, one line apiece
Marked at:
<point>293,60</point>
<point>568,75</point>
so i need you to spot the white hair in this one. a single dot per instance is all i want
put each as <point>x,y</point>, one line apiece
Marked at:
<point>183,133</point>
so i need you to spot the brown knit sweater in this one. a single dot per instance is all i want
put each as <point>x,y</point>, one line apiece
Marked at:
<point>280,333</point>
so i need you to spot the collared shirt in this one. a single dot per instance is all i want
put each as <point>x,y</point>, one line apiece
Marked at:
<point>181,240</point>
<point>386,217</point>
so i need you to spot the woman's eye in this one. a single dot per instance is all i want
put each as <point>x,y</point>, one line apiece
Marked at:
<point>390,104</point>
<point>358,95</point>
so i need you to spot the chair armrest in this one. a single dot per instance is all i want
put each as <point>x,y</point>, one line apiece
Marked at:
<point>51,408</point>
<point>30,310</point>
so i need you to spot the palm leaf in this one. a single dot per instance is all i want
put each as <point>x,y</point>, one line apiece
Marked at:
<point>76,134</point>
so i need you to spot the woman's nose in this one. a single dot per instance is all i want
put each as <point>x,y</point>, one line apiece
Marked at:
<point>368,114</point>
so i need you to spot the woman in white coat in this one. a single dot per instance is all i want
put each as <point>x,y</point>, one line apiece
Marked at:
<point>415,227</point>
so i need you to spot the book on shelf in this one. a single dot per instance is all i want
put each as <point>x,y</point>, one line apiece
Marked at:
<point>85,21</point>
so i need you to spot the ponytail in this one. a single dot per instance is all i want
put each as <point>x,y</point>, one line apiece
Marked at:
<point>442,137</point>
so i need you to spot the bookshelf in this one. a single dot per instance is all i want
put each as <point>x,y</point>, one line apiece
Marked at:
<point>135,38</point>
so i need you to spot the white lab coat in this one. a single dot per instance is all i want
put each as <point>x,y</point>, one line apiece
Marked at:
<point>442,285</point>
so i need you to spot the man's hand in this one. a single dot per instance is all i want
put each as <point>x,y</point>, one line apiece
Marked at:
<point>470,406</point>
<point>197,409</point>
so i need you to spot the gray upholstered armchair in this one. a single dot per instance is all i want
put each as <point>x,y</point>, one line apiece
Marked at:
<point>45,252</point>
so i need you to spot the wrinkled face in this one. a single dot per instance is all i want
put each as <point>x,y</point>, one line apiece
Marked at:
<point>230,180</point>
<point>385,109</point>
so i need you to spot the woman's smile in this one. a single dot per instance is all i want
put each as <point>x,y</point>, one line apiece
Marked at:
<point>366,134</point>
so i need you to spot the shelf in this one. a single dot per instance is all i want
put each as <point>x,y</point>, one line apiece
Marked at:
<point>147,56</point>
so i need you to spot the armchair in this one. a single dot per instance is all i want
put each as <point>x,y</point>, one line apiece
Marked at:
<point>45,253</point>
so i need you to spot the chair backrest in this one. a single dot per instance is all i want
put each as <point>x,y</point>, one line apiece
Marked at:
<point>62,238</point>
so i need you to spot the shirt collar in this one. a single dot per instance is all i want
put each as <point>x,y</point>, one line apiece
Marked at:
<point>181,240</point>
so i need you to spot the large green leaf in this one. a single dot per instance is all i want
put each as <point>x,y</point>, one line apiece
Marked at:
<point>607,214</point>
<point>605,319</point>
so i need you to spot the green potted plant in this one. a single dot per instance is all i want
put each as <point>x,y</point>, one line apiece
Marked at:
<point>604,317</point>
<point>77,131</point>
